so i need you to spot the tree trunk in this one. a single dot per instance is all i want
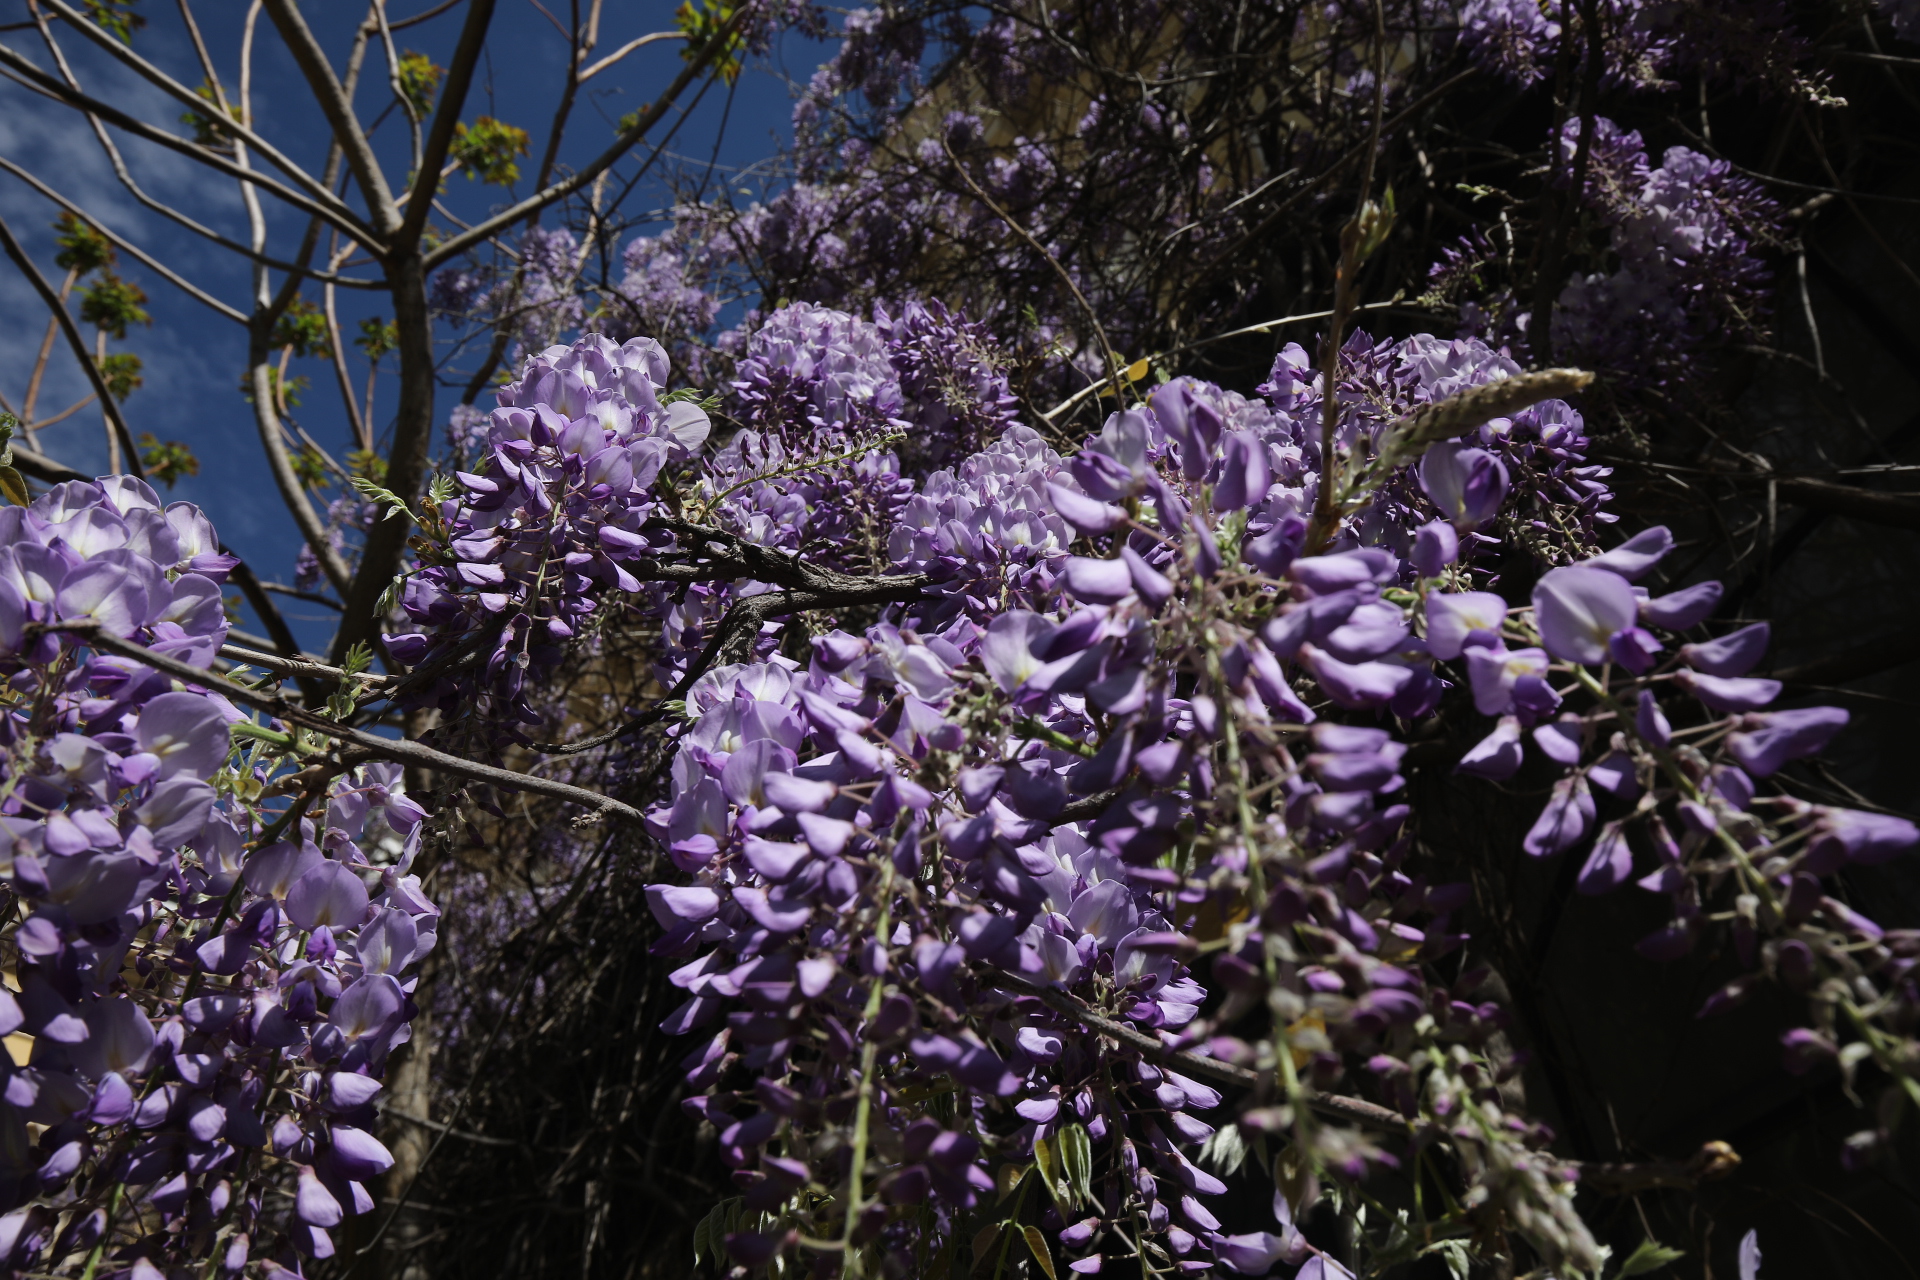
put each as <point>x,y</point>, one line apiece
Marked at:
<point>406,460</point>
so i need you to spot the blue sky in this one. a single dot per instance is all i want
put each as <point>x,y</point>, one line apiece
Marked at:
<point>194,357</point>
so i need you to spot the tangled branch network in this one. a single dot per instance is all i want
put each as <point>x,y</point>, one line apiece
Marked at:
<point>1026,809</point>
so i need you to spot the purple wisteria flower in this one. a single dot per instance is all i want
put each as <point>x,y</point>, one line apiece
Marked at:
<point>205,984</point>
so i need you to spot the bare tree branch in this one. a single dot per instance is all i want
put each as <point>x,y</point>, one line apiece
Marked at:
<point>45,469</point>
<point>270,617</point>
<point>366,746</point>
<point>1848,665</point>
<point>453,97</point>
<point>459,244</point>
<point>126,246</point>
<point>292,492</point>
<point>579,45</point>
<point>207,68</point>
<point>311,597</point>
<point>338,109</point>
<point>626,49</point>
<point>174,89</point>
<point>108,405</point>
<point>418,18</point>
<point>1898,510</point>
<point>293,664</point>
<point>41,424</point>
<point>333,212</point>
<point>362,430</point>
<point>134,251</point>
<point>394,82</point>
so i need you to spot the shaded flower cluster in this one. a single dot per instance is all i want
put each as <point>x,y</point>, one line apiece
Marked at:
<point>1695,795</point>
<point>535,296</point>
<point>1521,40</point>
<point>1686,235</point>
<point>1681,272</point>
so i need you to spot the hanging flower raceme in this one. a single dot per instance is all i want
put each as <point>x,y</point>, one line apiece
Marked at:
<point>551,520</point>
<point>205,985</point>
<point>896,849</point>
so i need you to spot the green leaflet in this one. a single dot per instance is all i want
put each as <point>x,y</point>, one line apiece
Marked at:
<point>1649,1257</point>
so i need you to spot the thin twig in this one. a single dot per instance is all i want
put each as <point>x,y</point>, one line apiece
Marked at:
<point>134,251</point>
<point>626,49</point>
<point>453,246</point>
<point>1113,363</point>
<point>108,405</point>
<point>179,92</point>
<point>1262,327</point>
<point>302,666</point>
<point>344,218</point>
<point>366,746</point>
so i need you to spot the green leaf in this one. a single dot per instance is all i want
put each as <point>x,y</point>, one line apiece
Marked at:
<point>112,303</point>
<point>359,658</point>
<point>166,460</point>
<point>303,327</point>
<point>701,21</point>
<point>1225,1151</point>
<point>1037,1246</point>
<point>390,598</point>
<point>1076,1161</point>
<point>700,1242</point>
<point>377,337</point>
<point>1371,227</point>
<point>116,17</point>
<point>83,250</point>
<point>486,150</point>
<point>707,1237</point>
<point>121,372</point>
<point>385,497</point>
<point>1046,1157</point>
<point>419,80</point>
<point>1454,1254</point>
<point>1649,1257</point>
<point>707,401</point>
<point>11,483</point>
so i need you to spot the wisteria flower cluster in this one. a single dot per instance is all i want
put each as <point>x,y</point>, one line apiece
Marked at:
<point>210,989</point>
<point>569,508</point>
<point>986,905</point>
<point>1522,41</point>
<point>1680,273</point>
<point>535,297</point>
<point>552,517</point>
<point>1686,236</point>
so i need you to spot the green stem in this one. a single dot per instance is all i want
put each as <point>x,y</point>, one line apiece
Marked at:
<point>1032,728</point>
<point>1288,1074</point>
<point>106,1233</point>
<point>1011,1228</point>
<point>1750,874</point>
<point>248,729</point>
<point>869,1058</point>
